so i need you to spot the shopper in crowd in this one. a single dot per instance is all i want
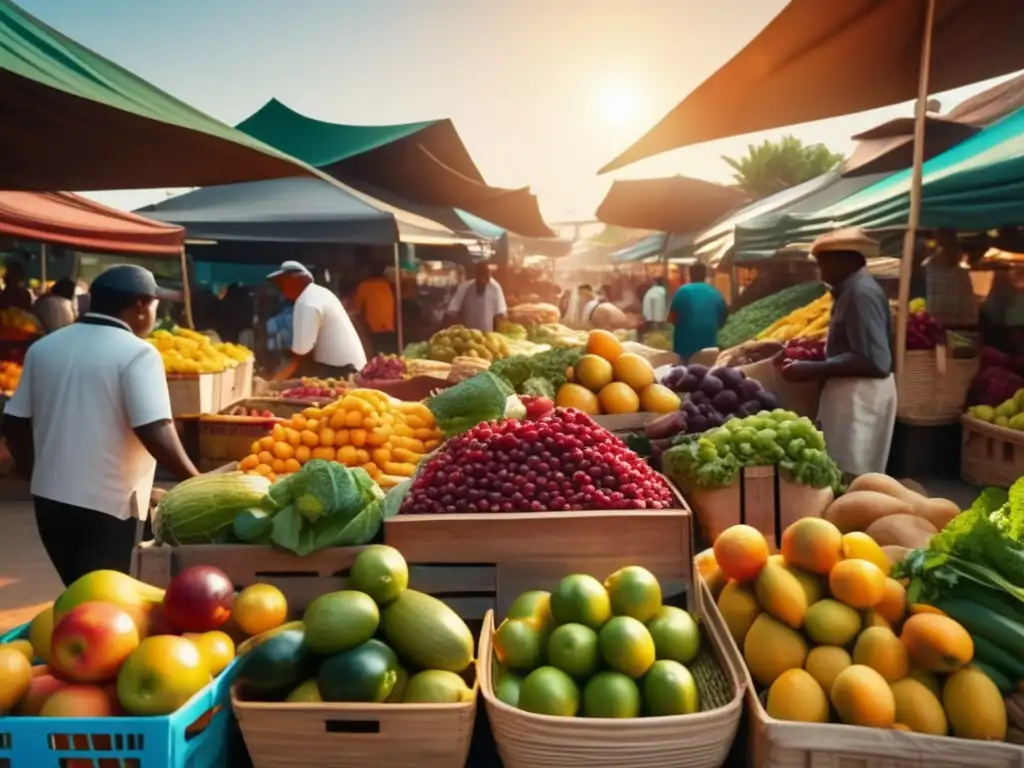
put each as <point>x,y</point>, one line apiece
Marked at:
<point>655,304</point>
<point>698,310</point>
<point>858,400</point>
<point>100,380</point>
<point>479,303</point>
<point>15,293</point>
<point>601,313</point>
<point>375,302</point>
<point>57,308</point>
<point>235,313</point>
<point>324,340</point>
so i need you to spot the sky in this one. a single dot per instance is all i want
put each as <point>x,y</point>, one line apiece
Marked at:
<point>543,92</point>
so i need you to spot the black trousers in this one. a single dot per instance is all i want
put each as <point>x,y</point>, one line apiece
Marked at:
<point>385,343</point>
<point>80,540</point>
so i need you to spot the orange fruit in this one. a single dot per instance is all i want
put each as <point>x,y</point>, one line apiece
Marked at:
<point>618,397</point>
<point>603,344</point>
<point>858,583</point>
<point>323,452</point>
<point>249,462</point>
<point>894,602</point>
<point>259,608</point>
<point>313,425</point>
<point>267,442</point>
<point>265,457</point>
<point>813,544</point>
<point>741,552</point>
<point>657,398</point>
<point>283,451</point>
<point>302,454</point>
<point>937,643</point>
<point>310,439</point>
<point>15,678</point>
<point>217,649</point>
<point>277,432</point>
<point>291,466</point>
<point>633,370</point>
<point>593,372</point>
<point>578,397</point>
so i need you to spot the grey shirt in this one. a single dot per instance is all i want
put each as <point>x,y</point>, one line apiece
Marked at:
<point>861,321</point>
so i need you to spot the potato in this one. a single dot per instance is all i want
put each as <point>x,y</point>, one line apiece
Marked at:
<point>938,512</point>
<point>908,531</point>
<point>857,510</point>
<point>913,485</point>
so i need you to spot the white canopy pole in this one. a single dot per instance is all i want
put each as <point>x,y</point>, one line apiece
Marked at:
<point>914,217</point>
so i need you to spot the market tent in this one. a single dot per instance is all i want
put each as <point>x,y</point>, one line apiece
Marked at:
<point>425,162</point>
<point>296,210</point>
<point>890,147</point>
<point>652,245</point>
<point>74,120</point>
<point>671,204</point>
<point>817,60</point>
<point>976,185</point>
<point>62,218</point>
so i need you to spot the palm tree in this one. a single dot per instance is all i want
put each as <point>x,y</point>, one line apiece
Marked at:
<point>771,166</point>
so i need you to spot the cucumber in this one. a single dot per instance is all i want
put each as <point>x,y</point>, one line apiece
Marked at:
<point>980,620</point>
<point>989,653</point>
<point>1002,682</point>
<point>997,601</point>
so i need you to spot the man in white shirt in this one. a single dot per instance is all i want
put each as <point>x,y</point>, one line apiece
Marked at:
<point>479,303</point>
<point>655,305</point>
<point>88,423</point>
<point>324,340</point>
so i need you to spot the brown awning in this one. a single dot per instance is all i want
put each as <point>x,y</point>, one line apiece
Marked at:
<point>824,58</point>
<point>675,204</point>
<point>890,147</point>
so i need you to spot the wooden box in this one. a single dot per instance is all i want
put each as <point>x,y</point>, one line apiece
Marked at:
<point>760,498</point>
<point>241,387</point>
<point>229,438</point>
<point>990,455</point>
<point>625,422</point>
<point>194,394</point>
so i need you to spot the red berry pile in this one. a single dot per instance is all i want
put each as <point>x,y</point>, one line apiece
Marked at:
<point>562,461</point>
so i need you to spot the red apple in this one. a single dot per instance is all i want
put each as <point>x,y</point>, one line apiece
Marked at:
<point>91,642</point>
<point>199,599</point>
<point>39,691</point>
<point>161,675</point>
<point>78,701</point>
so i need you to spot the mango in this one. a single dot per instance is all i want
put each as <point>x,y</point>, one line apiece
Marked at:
<point>772,648</point>
<point>780,593</point>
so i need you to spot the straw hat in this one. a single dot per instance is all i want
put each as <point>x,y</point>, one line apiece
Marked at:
<point>847,239</point>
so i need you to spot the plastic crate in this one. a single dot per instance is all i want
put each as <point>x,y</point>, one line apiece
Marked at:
<point>189,738</point>
<point>15,634</point>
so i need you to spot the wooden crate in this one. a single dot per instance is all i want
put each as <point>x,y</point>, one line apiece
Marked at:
<point>760,498</point>
<point>625,422</point>
<point>990,455</point>
<point>700,740</point>
<point>241,387</point>
<point>521,551</point>
<point>192,395</point>
<point>223,439</point>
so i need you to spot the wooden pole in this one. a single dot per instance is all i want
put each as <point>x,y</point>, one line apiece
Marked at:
<point>914,217</point>
<point>400,335</point>
<point>186,293</point>
<point>43,251</point>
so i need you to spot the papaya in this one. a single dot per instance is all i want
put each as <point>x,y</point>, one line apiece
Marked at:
<point>771,648</point>
<point>780,593</point>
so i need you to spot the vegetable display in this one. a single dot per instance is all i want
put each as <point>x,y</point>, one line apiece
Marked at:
<point>485,397</point>
<point>711,395</point>
<point>459,341</point>
<point>548,367</point>
<point>200,509</point>
<point>747,323</point>
<point>714,459</point>
<point>998,379</point>
<point>807,322</point>
<point>365,428</point>
<point>383,368</point>
<point>314,391</point>
<point>562,461</point>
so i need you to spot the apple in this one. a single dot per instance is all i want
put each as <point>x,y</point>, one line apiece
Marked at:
<point>161,675</point>
<point>79,701</point>
<point>92,641</point>
<point>136,598</point>
<point>39,691</point>
<point>199,599</point>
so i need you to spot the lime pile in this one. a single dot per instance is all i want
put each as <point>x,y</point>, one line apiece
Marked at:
<point>598,650</point>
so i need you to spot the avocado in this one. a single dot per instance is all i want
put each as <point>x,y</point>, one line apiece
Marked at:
<point>367,673</point>
<point>275,667</point>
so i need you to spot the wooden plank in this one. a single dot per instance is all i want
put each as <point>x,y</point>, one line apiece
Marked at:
<point>759,501</point>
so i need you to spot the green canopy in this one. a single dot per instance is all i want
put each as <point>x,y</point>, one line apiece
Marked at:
<point>74,120</point>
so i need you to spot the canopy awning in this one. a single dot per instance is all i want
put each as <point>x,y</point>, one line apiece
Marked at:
<point>425,162</point>
<point>296,210</point>
<point>675,204</point>
<point>817,60</point>
<point>74,120</point>
<point>62,218</point>
<point>649,246</point>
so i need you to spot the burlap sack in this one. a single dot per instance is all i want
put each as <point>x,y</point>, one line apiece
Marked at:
<point>802,399</point>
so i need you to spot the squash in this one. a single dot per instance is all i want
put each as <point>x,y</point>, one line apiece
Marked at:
<point>938,512</point>
<point>427,633</point>
<point>857,510</point>
<point>201,509</point>
<point>908,531</point>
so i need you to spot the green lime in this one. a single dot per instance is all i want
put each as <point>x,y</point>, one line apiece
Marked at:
<point>580,599</point>
<point>572,648</point>
<point>549,691</point>
<point>634,592</point>
<point>626,646</point>
<point>381,572</point>
<point>508,689</point>
<point>519,644</point>
<point>676,635</point>
<point>534,605</point>
<point>669,689</point>
<point>611,694</point>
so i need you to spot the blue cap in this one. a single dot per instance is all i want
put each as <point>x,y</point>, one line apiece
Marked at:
<point>130,279</point>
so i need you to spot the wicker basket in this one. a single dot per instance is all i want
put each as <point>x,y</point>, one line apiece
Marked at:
<point>526,740</point>
<point>950,295</point>
<point>932,387</point>
<point>990,455</point>
<point>356,735</point>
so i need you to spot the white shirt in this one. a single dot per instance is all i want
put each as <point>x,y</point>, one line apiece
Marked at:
<point>321,325</point>
<point>655,307</point>
<point>478,309</point>
<point>86,387</point>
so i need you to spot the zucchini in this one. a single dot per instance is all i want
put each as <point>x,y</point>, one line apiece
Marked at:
<point>988,652</point>
<point>980,620</point>
<point>1002,681</point>
<point>996,601</point>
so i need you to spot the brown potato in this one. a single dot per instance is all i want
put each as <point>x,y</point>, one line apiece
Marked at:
<point>857,510</point>
<point>938,512</point>
<point>908,531</point>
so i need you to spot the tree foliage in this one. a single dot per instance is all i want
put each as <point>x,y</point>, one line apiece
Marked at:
<point>772,166</point>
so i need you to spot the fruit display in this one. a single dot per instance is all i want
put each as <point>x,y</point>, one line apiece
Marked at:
<point>998,378</point>
<point>711,395</point>
<point>319,390</point>
<point>749,352</point>
<point>807,322</point>
<point>562,461</point>
<point>608,650</point>
<point>376,642</point>
<point>746,323</point>
<point>243,411</point>
<point>14,321</point>
<point>608,380</point>
<point>534,314</point>
<point>111,646</point>
<point>924,331</point>
<point>793,443</point>
<point>364,428</point>
<point>557,336</point>
<point>482,398</point>
<point>200,509</point>
<point>828,634</point>
<point>10,375</point>
<point>804,349</point>
<point>383,368</point>
<point>1009,413</point>
<point>189,352</point>
<point>418,367</point>
<point>459,341</point>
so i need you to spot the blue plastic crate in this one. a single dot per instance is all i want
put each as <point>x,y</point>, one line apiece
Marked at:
<point>15,634</point>
<point>172,741</point>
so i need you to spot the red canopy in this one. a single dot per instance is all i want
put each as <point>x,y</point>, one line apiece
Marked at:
<point>63,218</point>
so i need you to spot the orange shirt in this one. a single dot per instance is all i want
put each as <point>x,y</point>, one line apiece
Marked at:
<point>375,300</point>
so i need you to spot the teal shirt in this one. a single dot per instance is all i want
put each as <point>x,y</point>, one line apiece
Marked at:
<point>699,312</point>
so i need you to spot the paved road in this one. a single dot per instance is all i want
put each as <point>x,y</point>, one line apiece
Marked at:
<point>27,580</point>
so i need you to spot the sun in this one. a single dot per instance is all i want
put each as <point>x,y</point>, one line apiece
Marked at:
<point>618,103</point>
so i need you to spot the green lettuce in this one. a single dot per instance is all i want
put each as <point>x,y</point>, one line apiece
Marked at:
<point>484,397</point>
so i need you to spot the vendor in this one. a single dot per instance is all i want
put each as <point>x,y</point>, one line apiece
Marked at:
<point>479,303</point>
<point>324,341</point>
<point>858,400</point>
<point>375,302</point>
<point>697,311</point>
<point>89,422</point>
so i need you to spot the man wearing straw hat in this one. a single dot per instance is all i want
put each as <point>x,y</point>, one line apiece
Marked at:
<point>857,410</point>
